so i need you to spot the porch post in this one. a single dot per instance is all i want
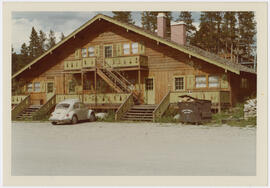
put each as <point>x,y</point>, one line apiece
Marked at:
<point>95,86</point>
<point>82,84</point>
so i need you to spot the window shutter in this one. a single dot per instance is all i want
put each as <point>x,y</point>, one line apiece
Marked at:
<point>118,49</point>
<point>77,54</point>
<point>224,81</point>
<point>97,51</point>
<point>141,48</point>
<point>190,81</point>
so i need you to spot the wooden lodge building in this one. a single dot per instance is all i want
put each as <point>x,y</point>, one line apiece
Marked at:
<point>108,64</point>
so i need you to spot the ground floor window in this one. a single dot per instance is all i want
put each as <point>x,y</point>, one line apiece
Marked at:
<point>49,87</point>
<point>179,83</point>
<point>71,88</point>
<point>30,87</point>
<point>37,86</point>
<point>200,81</point>
<point>149,85</point>
<point>213,81</point>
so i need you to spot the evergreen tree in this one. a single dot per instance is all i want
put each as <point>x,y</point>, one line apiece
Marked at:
<point>33,44</point>
<point>186,17</point>
<point>42,40</point>
<point>149,21</point>
<point>62,36</point>
<point>247,31</point>
<point>124,16</point>
<point>51,40</point>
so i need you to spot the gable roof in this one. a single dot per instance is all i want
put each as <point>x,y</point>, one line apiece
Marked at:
<point>188,49</point>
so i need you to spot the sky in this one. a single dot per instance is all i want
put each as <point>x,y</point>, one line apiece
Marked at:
<point>66,22</point>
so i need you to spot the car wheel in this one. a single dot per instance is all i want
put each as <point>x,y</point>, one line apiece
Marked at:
<point>54,123</point>
<point>74,119</point>
<point>92,117</point>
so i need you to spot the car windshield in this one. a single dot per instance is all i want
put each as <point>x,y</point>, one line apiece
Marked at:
<point>62,106</point>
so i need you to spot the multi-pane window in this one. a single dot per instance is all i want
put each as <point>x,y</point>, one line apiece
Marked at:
<point>37,86</point>
<point>84,52</point>
<point>49,87</point>
<point>126,48</point>
<point>200,81</point>
<point>135,48</point>
<point>91,51</point>
<point>149,85</point>
<point>179,83</point>
<point>29,87</point>
<point>213,81</point>
<point>71,87</point>
<point>108,51</point>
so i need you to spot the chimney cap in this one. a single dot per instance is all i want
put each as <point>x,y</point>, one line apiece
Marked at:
<point>161,14</point>
<point>178,23</point>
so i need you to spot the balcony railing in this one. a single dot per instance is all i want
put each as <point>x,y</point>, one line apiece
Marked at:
<point>129,61</point>
<point>89,62</point>
<point>73,65</point>
<point>16,99</point>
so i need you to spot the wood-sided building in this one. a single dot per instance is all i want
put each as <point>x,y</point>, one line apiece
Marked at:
<point>108,64</point>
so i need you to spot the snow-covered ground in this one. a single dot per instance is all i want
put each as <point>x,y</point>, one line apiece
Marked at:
<point>133,149</point>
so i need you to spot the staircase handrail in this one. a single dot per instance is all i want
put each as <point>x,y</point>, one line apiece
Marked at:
<point>25,103</point>
<point>124,107</point>
<point>162,107</point>
<point>45,108</point>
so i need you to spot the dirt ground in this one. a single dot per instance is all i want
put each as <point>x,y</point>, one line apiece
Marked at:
<point>134,149</point>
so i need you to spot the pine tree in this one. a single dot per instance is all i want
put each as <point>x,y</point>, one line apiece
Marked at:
<point>149,21</point>
<point>124,16</point>
<point>33,44</point>
<point>62,36</point>
<point>42,40</point>
<point>51,40</point>
<point>186,17</point>
<point>247,31</point>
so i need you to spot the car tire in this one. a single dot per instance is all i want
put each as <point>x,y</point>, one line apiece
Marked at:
<point>74,119</point>
<point>92,117</point>
<point>54,123</point>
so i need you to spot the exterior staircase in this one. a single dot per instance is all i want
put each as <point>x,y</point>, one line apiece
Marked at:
<point>140,113</point>
<point>27,114</point>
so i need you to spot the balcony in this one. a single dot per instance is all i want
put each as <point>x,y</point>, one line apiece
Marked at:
<point>89,62</point>
<point>129,61</point>
<point>73,65</point>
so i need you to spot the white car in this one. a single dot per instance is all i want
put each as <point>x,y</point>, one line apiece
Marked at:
<point>71,111</point>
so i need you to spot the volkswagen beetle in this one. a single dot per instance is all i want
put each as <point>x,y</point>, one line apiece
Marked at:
<point>71,111</point>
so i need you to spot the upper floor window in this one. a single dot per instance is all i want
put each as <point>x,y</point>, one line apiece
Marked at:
<point>200,81</point>
<point>213,81</point>
<point>108,51</point>
<point>29,87</point>
<point>37,86</point>
<point>179,83</point>
<point>84,52</point>
<point>135,48</point>
<point>91,51</point>
<point>126,48</point>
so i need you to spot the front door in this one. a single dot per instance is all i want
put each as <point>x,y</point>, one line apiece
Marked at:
<point>49,90</point>
<point>149,91</point>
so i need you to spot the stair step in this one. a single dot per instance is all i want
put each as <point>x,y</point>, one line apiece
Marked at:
<point>139,113</point>
<point>137,119</point>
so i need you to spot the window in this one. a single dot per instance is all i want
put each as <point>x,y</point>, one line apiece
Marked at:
<point>91,51</point>
<point>149,84</point>
<point>108,51</point>
<point>135,48</point>
<point>179,83</point>
<point>37,86</point>
<point>200,81</point>
<point>76,106</point>
<point>29,87</point>
<point>126,48</point>
<point>213,81</point>
<point>84,52</point>
<point>49,87</point>
<point>244,83</point>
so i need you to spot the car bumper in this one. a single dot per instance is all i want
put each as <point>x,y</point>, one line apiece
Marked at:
<point>58,120</point>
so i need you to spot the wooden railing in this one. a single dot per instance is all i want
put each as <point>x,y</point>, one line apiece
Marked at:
<point>20,107</point>
<point>61,97</point>
<point>162,107</point>
<point>127,61</point>
<point>43,111</point>
<point>89,62</point>
<point>16,99</point>
<point>125,106</point>
<point>73,65</point>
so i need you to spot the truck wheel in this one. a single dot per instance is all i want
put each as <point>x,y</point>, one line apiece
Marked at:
<point>92,117</point>
<point>54,123</point>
